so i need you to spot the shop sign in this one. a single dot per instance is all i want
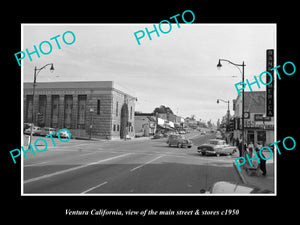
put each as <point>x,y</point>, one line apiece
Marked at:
<point>260,117</point>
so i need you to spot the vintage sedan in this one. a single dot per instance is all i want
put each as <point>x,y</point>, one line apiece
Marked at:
<point>226,187</point>
<point>179,140</point>
<point>216,147</point>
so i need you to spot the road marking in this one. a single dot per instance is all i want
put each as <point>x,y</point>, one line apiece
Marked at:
<point>35,164</point>
<point>72,169</point>
<point>146,163</point>
<point>92,188</point>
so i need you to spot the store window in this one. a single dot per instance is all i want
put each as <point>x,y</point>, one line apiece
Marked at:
<point>261,137</point>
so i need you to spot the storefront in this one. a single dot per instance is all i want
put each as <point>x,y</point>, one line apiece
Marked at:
<point>258,127</point>
<point>259,131</point>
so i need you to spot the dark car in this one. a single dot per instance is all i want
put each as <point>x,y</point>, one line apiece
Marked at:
<point>179,140</point>
<point>158,136</point>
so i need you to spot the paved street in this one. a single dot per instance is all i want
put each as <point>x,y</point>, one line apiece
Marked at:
<point>138,166</point>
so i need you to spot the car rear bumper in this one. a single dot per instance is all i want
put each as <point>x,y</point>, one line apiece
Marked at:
<point>207,152</point>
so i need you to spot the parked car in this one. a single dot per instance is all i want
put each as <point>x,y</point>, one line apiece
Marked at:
<point>63,134</point>
<point>158,135</point>
<point>216,147</point>
<point>232,188</point>
<point>35,130</point>
<point>179,140</point>
<point>26,126</point>
<point>48,130</point>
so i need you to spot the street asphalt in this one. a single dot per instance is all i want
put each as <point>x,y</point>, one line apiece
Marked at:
<point>139,166</point>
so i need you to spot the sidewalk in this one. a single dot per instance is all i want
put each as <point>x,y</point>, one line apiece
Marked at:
<point>263,182</point>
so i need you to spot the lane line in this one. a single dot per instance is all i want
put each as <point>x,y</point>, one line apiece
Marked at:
<point>40,163</point>
<point>146,163</point>
<point>72,169</point>
<point>92,188</point>
<point>35,164</point>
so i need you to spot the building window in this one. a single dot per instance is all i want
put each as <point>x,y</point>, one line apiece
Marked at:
<point>29,108</point>
<point>82,99</point>
<point>68,111</point>
<point>98,107</point>
<point>54,110</point>
<point>42,110</point>
<point>114,128</point>
<point>131,112</point>
<point>117,108</point>
<point>118,127</point>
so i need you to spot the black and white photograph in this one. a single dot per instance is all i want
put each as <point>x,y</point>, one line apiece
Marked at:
<point>159,116</point>
<point>143,113</point>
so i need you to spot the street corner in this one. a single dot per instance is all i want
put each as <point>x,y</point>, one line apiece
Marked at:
<point>255,178</point>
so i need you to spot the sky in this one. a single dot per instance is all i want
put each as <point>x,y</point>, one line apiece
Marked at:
<point>177,69</point>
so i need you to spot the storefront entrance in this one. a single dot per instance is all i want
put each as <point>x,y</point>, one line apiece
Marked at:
<point>250,136</point>
<point>261,137</point>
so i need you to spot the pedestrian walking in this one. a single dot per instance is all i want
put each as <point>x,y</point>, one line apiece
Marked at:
<point>240,147</point>
<point>250,148</point>
<point>262,164</point>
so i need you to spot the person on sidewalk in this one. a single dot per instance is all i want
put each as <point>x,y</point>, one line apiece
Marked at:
<point>250,149</point>
<point>262,164</point>
<point>240,148</point>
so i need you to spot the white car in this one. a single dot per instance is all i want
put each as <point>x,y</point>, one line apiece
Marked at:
<point>64,134</point>
<point>225,187</point>
<point>216,147</point>
<point>35,130</point>
<point>47,130</point>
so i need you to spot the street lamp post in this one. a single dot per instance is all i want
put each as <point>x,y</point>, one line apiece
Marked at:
<point>228,111</point>
<point>243,95</point>
<point>36,72</point>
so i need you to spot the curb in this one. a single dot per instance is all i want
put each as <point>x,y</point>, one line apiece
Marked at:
<point>87,139</point>
<point>240,173</point>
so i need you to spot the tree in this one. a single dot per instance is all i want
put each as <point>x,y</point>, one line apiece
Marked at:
<point>163,109</point>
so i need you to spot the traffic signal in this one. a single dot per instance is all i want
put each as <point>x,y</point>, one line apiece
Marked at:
<point>231,124</point>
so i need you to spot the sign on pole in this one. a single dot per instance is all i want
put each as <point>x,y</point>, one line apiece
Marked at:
<point>270,87</point>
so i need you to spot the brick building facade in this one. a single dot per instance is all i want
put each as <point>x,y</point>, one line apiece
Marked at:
<point>101,109</point>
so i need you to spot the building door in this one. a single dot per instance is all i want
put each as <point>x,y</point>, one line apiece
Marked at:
<point>261,137</point>
<point>250,136</point>
<point>124,121</point>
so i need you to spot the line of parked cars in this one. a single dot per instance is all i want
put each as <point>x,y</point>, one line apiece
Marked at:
<point>43,131</point>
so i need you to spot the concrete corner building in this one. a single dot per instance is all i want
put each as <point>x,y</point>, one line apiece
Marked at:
<point>97,109</point>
